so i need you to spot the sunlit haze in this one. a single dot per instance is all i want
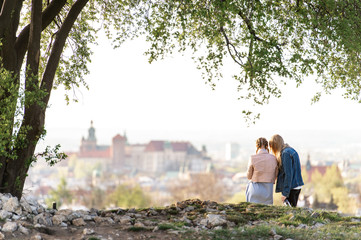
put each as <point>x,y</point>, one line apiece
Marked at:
<point>168,100</point>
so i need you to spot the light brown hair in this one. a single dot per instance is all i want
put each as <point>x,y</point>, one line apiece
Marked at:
<point>261,142</point>
<point>276,144</point>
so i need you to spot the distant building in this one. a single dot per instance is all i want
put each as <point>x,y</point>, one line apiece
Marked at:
<point>312,169</point>
<point>232,151</point>
<point>155,156</point>
<point>90,149</point>
<point>350,169</point>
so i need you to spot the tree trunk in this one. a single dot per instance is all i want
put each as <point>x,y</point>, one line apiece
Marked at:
<point>18,154</point>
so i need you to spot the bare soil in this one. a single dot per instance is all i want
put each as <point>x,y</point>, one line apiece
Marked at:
<point>108,232</point>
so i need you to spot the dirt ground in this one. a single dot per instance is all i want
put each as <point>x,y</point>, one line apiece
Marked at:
<point>106,232</point>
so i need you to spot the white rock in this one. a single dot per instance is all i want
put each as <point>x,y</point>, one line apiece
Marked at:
<point>24,230</point>
<point>185,219</point>
<point>302,226</point>
<point>73,215</point>
<point>216,220</point>
<point>36,237</point>
<point>171,231</point>
<point>277,237</point>
<point>63,224</point>
<point>43,218</point>
<point>88,217</point>
<point>34,210</point>
<point>138,224</point>
<point>38,225</point>
<point>58,219</point>
<point>5,197</point>
<point>78,222</point>
<point>125,220</point>
<point>40,209</point>
<point>273,231</point>
<point>203,222</point>
<point>109,220</point>
<point>189,208</point>
<point>230,224</point>
<point>64,212</point>
<point>82,213</point>
<point>31,200</point>
<point>10,227</point>
<point>88,231</point>
<point>5,214</point>
<point>2,236</point>
<point>98,219</point>
<point>26,206</point>
<point>12,205</point>
<point>16,217</point>
<point>318,225</point>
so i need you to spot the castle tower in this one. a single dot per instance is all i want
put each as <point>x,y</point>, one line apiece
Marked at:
<point>118,150</point>
<point>90,143</point>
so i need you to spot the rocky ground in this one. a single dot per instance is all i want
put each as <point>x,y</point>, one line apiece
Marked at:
<point>190,219</point>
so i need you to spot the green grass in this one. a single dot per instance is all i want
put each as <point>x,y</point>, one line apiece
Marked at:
<point>258,221</point>
<point>166,227</point>
<point>265,232</point>
<point>236,218</point>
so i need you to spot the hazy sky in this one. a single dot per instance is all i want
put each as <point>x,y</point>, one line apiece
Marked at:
<point>168,100</point>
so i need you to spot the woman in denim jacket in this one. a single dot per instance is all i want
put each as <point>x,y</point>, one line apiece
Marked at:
<point>289,179</point>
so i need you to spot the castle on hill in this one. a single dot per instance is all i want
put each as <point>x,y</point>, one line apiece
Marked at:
<point>155,156</point>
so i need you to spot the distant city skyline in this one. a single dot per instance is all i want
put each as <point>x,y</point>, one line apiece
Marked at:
<point>168,100</point>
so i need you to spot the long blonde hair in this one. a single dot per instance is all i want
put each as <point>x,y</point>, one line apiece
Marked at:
<point>276,144</point>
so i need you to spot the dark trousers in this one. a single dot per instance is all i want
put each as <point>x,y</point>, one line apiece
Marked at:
<point>293,197</point>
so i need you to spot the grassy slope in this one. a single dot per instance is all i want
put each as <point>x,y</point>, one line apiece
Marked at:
<point>257,221</point>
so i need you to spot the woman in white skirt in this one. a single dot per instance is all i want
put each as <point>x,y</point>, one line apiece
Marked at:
<point>262,171</point>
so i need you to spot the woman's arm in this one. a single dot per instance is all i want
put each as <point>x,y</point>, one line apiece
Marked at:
<point>287,167</point>
<point>250,169</point>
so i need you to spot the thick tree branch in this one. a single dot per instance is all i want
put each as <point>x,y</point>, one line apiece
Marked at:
<point>30,123</point>
<point>57,49</point>
<point>32,63</point>
<point>34,119</point>
<point>5,14</point>
<point>47,17</point>
<point>10,15</point>
<point>9,22</point>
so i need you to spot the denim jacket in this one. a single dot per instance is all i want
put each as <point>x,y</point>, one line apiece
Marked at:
<point>289,176</point>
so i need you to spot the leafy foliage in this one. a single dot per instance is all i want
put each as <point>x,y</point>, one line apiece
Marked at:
<point>329,187</point>
<point>270,41</point>
<point>51,155</point>
<point>127,196</point>
<point>61,195</point>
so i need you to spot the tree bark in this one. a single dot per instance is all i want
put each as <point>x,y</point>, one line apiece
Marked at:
<point>15,170</point>
<point>9,21</point>
<point>48,16</point>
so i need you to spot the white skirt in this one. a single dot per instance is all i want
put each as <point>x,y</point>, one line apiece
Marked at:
<point>259,192</point>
